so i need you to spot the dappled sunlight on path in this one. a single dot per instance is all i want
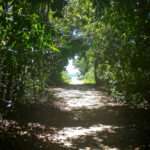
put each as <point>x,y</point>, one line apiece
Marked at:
<point>81,97</point>
<point>79,117</point>
<point>67,135</point>
<point>105,124</point>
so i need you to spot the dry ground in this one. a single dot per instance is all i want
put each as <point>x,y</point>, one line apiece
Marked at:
<point>81,118</point>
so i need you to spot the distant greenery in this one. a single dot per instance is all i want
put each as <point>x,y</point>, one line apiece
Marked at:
<point>86,69</point>
<point>65,77</point>
<point>89,76</point>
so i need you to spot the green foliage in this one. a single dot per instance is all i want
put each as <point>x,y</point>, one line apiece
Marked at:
<point>65,77</point>
<point>121,49</point>
<point>117,35</point>
<point>111,38</point>
<point>89,77</point>
<point>27,48</point>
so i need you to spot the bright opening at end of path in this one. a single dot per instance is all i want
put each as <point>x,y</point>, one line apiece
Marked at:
<point>73,72</point>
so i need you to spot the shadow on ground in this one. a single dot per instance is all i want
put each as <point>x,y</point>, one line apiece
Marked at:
<point>47,126</point>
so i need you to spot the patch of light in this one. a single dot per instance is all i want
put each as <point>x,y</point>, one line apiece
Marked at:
<point>76,57</point>
<point>73,72</point>
<point>68,134</point>
<point>76,99</point>
<point>77,33</point>
<point>71,69</point>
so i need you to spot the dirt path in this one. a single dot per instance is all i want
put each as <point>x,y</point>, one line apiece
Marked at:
<point>99,123</point>
<point>81,118</point>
